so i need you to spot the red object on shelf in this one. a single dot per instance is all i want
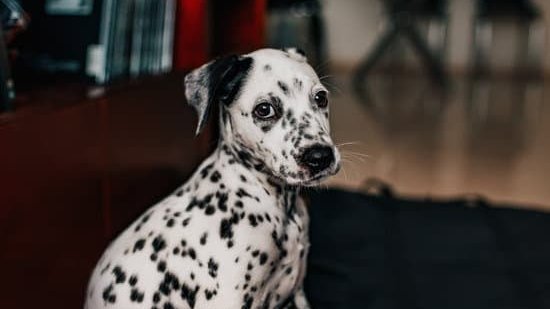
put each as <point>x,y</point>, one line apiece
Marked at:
<point>210,28</point>
<point>191,42</point>
<point>238,26</point>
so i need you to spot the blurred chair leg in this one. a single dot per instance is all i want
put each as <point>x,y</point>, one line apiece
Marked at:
<point>368,63</point>
<point>535,48</point>
<point>437,37</point>
<point>483,36</point>
<point>410,31</point>
<point>435,66</point>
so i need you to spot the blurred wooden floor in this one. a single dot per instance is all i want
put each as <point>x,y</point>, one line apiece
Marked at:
<point>489,137</point>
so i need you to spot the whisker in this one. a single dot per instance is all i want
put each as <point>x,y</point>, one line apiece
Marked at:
<point>350,156</point>
<point>349,143</point>
<point>322,65</point>
<point>326,76</point>
<point>352,164</point>
<point>357,154</point>
<point>355,167</point>
<point>332,87</point>
<point>345,173</point>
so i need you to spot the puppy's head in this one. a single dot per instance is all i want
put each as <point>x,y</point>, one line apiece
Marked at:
<point>273,111</point>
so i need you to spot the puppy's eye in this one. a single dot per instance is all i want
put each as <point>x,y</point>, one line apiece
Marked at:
<point>264,111</point>
<point>321,99</point>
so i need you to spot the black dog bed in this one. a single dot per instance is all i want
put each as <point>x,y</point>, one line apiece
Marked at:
<point>378,251</point>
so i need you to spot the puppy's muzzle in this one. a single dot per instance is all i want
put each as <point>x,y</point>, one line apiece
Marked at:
<point>317,158</point>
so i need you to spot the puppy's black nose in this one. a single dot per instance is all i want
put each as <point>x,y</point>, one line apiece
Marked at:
<point>317,158</point>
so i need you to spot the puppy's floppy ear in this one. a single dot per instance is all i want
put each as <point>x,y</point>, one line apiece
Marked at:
<point>296,54</point>
<point>218,81</point>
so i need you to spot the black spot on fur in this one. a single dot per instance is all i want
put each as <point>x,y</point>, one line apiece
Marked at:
<point>298,84</point>
<point>105,268</point>
<point>156,298</point>
<point>169,284</point>
<point>133,280</point>
<point>247,301</point>
<point>215,177</point>
<point>225,229</point>
<point>189,294</point>
<point>139,244</point>
<point>161,266</point>
<point>205,170</point>
<point>212,268</point>
<point>210,210</point>
<point>108,294</point>
<point>263,258</point>
<point>243,193</point>
<point>192,253</point>
<point>168,305</point>
<point>208,294</point>
<point>136,296</point>
<point>200,203</point>
<point>252,220</point>
<point>203,238</point>
<point>158,243</point>
<point>222,202</point>
<point>120,275</point>
<point>284,87</point>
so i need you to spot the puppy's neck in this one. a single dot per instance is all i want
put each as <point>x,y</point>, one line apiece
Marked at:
<point>243,157</point>
<point>251,172</point>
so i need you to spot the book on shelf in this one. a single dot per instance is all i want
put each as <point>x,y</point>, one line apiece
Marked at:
<point>136,39</point>
<point>104,40</point>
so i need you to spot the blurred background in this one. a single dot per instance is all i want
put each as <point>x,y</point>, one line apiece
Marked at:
<point>438,99</point>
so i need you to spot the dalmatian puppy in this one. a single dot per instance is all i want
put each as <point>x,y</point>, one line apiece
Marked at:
<point>235,235</point>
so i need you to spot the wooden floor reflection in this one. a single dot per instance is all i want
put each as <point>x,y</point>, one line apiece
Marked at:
<point>489,137</point>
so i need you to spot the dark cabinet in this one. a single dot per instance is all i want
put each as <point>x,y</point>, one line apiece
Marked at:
<point>76,168</point>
